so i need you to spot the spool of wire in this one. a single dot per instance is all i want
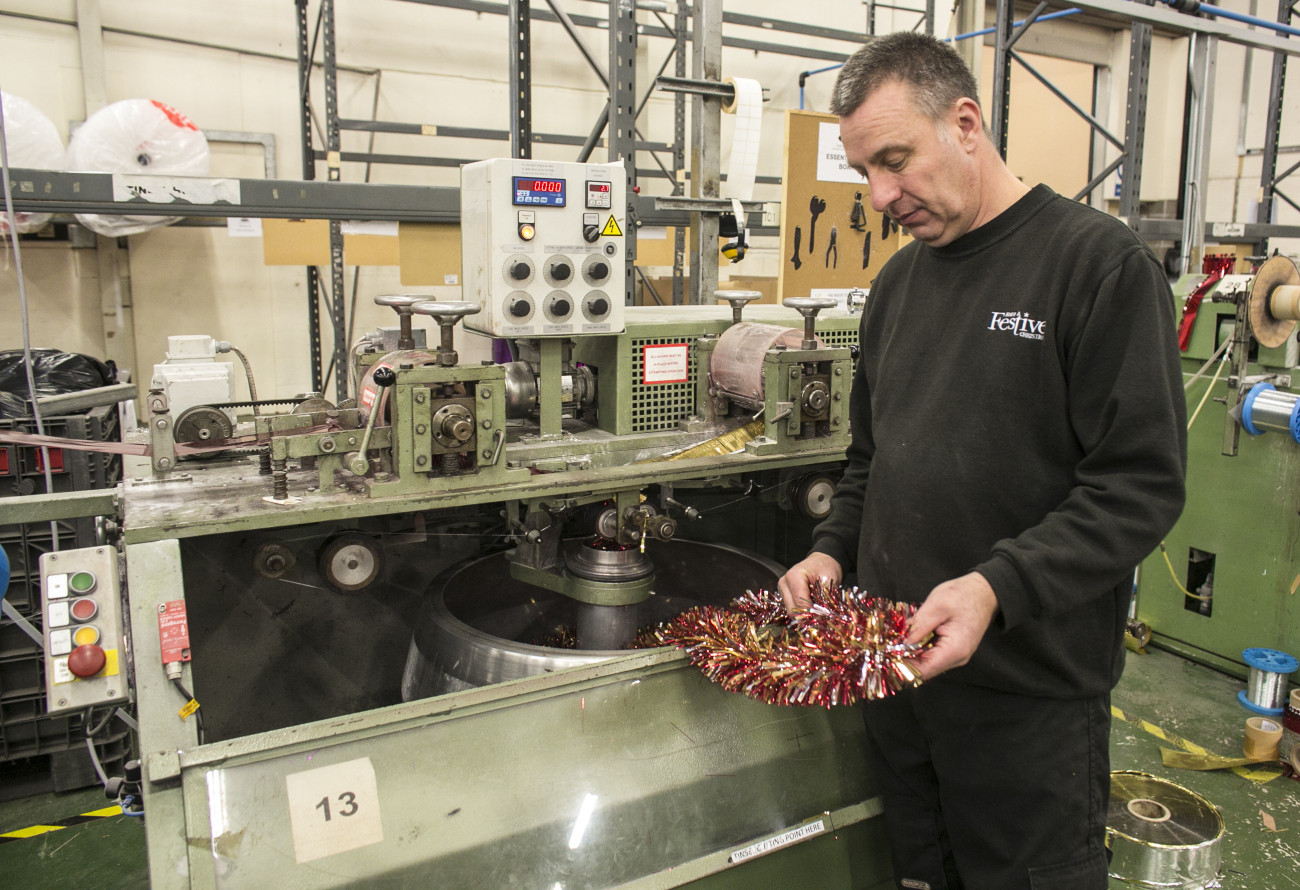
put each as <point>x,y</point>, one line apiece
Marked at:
<point>1267,408</point>
<point>1265,690</point>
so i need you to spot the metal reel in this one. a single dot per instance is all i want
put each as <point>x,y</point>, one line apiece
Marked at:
<point>351,562</point>
<point>202,424</point>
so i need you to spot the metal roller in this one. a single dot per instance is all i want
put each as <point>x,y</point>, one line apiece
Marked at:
<point>1267,408</point>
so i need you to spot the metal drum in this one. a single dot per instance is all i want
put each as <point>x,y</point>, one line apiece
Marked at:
<point>479,626</point>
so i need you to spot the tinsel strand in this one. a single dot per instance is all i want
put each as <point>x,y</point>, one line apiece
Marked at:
<point>846,647</point>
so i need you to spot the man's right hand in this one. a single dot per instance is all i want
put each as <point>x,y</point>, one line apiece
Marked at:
<point>794,583</point>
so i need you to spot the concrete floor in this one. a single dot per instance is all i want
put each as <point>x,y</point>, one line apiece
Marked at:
<point>1160,693</point>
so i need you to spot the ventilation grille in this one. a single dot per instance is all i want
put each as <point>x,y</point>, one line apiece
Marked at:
<point>660,405</point>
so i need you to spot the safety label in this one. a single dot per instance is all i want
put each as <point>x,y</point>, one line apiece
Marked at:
<point>669,363</point>
<point>611,229</point>
<point>763,847</point>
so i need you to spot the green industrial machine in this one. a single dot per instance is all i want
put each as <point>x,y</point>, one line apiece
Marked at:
<point>1234,556</point>
<point>405,621</point>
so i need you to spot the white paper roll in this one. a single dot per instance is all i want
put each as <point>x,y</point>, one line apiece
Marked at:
<point>32,141</point>
<point>742,162</point>
<point>136,136</point>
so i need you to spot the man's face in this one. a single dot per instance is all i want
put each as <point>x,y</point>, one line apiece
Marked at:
<point>921,172</point>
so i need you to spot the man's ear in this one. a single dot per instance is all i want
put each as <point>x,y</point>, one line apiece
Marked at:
<point>969,122</point>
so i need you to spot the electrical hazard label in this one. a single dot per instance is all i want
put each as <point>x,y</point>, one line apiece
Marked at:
<point>611,229</point>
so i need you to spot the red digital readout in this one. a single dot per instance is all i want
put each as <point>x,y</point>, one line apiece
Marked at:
<point>542,185</point>
<point>598,186</point>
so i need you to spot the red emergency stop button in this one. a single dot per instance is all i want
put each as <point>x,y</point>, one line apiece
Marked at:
<point>84,609</point>
<point>86,661</point>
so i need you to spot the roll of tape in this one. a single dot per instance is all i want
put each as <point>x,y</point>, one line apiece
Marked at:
<point>1263,737</point>
<point>742,162</point>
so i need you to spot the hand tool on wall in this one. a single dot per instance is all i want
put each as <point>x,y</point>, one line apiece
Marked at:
<point>817,206</point>
<point>831,249</point>
<point>858,215</point>
<point>866,251</point>
<point>798,233</point>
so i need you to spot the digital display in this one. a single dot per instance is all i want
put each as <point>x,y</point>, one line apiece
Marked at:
<point>598,195</point>
<point>532,191</point>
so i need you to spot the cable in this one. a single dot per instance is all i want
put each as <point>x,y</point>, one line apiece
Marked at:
<point>12,221</point>
<point>1174,575</point>
<point>248,372</point>
<point>198,712</point>
<point>1200,372</point>
<point>1209,389</point>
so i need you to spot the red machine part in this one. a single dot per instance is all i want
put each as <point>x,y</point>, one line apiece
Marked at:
<point>173,632</point>
<point>1193,305</point>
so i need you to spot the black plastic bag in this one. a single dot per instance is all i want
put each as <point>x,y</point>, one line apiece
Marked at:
<point>57,373</point>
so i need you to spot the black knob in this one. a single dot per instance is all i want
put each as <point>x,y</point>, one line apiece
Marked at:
<point>519,271</point>
<point>560,271</point>
<point>384,376</point>
<point>520,308</point>
<point>599,271</point>
<point>590,234</point>
<point>599,306</point>
<point>560,308</point>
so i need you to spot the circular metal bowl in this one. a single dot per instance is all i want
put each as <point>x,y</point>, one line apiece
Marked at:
<point>479,626</point>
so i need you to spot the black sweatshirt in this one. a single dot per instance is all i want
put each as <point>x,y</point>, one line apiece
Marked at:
<point>1018,411</point>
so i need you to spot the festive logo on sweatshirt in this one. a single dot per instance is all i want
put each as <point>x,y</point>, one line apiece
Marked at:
<point>1018,323</point>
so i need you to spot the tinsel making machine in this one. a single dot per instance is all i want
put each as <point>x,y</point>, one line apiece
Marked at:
<point>410,621</point>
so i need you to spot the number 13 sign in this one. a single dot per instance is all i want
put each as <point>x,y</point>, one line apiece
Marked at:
<point>333,809</point>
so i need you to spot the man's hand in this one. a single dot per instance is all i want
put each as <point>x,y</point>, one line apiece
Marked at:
<point>957,612</point>
<point>794,583</point>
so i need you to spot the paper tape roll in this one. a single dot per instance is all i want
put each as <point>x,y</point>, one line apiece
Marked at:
<point>742,162</point>
<point>136,136</point>
<point>31,140</point>
<point>1263,736</point>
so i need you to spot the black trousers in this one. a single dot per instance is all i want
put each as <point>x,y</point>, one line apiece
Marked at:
<point>988,790</point>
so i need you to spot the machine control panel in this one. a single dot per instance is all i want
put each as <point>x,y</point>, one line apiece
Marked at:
<point>543,247</point>
<point>85,661</point>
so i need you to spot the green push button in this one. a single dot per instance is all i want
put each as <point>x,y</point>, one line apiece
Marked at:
<point>82,582</point>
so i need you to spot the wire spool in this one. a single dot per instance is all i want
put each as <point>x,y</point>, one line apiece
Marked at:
<point>1266,408</point>
<point>1274,302</point>
<point>1265,689</point>
<point>1161,834</point>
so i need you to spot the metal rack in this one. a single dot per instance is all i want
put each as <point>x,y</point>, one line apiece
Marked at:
<point>1204,34</point>
<point>702,24</point>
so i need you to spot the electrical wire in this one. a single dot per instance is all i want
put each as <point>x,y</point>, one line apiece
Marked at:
<point>1209,389</point>
<point>12,220</point>
<point>198,712</point>
<point>248,372</point>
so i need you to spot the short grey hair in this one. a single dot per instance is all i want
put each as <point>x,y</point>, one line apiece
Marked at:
<point>937,75</point>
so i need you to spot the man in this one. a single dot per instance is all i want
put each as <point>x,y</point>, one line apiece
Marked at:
<point>1018,447</point>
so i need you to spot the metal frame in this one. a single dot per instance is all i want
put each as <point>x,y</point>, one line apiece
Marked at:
<point>1143,19</point>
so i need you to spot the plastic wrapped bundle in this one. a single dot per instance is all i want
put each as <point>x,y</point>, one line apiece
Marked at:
<point>136,136</point>
<point>32,141</point>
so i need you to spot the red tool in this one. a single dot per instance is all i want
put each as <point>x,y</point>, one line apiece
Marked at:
<point>1192,305</point>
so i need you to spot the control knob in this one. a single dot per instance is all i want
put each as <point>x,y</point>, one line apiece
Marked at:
<point>561,271</point>
<point>590,233</point>
<point>519,271</point>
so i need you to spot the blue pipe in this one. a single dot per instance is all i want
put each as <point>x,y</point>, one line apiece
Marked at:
<point>1042,18</point>
<point>1191,6</point>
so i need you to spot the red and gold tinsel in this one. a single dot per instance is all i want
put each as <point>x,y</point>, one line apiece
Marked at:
<point>847,647</point>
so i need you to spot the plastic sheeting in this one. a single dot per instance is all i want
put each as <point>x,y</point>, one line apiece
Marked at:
<point>57,373</point>
<point>136,136</point>
<point>32,141</point>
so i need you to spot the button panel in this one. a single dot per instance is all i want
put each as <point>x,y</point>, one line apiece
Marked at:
<point>84,651</point>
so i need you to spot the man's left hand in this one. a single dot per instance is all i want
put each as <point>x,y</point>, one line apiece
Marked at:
<point>957,612</point>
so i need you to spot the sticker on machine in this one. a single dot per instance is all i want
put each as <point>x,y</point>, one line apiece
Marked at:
<point>772,844</point>
<point>669,363</point>
<point>333,809</point>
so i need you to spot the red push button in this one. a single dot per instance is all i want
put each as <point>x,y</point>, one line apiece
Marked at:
<point>84,609</point>
<point>86,661</point>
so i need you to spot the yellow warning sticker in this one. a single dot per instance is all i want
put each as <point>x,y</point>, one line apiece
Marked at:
<point>611,229</point>
<point>190,707</point>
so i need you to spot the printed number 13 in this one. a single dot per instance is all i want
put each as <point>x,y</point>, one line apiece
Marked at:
<point>347,799</point>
